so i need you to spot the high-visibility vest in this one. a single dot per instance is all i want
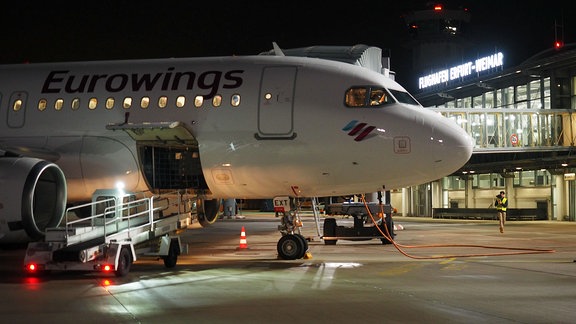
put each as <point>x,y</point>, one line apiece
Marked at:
<point>501,207</point>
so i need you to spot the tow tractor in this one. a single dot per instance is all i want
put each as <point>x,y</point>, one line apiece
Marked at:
<point>364,228</point>
<point>293,245</point>
<point>122,227</point>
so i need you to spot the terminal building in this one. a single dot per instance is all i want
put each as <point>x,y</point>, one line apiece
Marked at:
<point>521,117</point>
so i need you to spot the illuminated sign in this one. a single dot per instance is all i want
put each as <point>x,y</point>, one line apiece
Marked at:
<point>463,70</point>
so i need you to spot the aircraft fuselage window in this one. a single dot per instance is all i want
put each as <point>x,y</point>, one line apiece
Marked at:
<point>198,101</point>
<point>42,104</point>
<point>217,100</point>
<point>127,103</point>
<point>162,101</point>
<point>17,105</point>
<point>109,103</point>
<point>144,102</point>
<point>58,104</point>
<point>235,100</point>
<point>92,103</point>
<point>180,101</point>
<point>75,103</point>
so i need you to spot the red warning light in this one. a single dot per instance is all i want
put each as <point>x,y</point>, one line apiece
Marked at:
<point>107,268</point>
<point>32,268</point>
<point>558,44</point>
<point>438,7</point>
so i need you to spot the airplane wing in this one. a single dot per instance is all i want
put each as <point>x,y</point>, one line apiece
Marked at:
<point>28,151</point>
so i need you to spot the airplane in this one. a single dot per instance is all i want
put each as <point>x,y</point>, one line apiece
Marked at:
<point>249,127</point>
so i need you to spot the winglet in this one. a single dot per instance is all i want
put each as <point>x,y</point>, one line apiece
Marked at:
<point>277,49</point>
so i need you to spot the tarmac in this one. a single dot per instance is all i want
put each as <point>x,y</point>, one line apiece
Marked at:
<point>448,271</point>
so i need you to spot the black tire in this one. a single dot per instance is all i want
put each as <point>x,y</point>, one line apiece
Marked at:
<point>330,230</point>
<point>388,228</point>
<point>290,247</point>
<point>385,241</point>
<point>124,262</point>
<point>390,225</point>
<point>304,245</point>
<point>172,258</point>
<point>207,211</point>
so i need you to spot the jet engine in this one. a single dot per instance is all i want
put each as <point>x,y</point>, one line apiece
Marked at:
<point>32,198</point>
<point>207,211</point>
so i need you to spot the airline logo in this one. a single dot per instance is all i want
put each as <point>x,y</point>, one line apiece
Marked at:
<point>211,82</point>
<point>359,130</point>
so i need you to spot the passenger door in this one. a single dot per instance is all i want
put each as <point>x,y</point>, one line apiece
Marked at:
<point>276,103</point>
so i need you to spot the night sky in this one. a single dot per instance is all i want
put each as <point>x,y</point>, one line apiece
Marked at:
<point>44,31</point>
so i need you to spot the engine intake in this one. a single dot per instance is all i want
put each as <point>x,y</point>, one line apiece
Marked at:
<point>33,198</point>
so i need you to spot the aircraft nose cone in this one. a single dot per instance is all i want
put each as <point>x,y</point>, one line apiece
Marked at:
<point>453,146</point>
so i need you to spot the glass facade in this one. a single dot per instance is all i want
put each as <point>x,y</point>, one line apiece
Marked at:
<point>515,128</point>
<point>532,95</point>
<point>518,117</point>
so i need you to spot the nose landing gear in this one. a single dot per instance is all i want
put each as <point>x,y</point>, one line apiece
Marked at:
<point>292,245</point>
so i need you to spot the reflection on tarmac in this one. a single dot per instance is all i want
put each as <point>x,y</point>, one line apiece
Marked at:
<point>348,282</point>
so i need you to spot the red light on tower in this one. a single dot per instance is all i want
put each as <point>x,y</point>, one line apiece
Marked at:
<point>558,35</point>
<point>558,44</point>
<point>438,7</point>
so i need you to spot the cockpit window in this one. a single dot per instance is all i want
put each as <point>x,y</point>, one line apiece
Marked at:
<point>379,97</point>
<point>404,97</point>
<point>367,97</point>
<point>356,97</point>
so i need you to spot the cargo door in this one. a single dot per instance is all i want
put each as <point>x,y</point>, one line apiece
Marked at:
<point>168,154</point>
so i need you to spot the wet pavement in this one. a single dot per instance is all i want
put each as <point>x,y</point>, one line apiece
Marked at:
<point>437,271</point>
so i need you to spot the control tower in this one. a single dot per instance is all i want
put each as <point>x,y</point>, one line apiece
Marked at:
<point>437,35</point>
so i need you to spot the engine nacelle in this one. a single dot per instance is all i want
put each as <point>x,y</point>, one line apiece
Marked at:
<point>32,198</point>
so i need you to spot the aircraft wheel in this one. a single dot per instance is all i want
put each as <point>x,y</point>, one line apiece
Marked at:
<point>304,244</point>
<point>172,257</point>
<point>330,230</point>
<point>290,247</point>
<point>124,263</point>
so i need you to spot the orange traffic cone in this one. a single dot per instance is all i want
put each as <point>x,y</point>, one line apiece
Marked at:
<point>243,242</point>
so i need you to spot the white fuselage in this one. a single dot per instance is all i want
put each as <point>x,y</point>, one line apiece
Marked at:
<point>287,135</point>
